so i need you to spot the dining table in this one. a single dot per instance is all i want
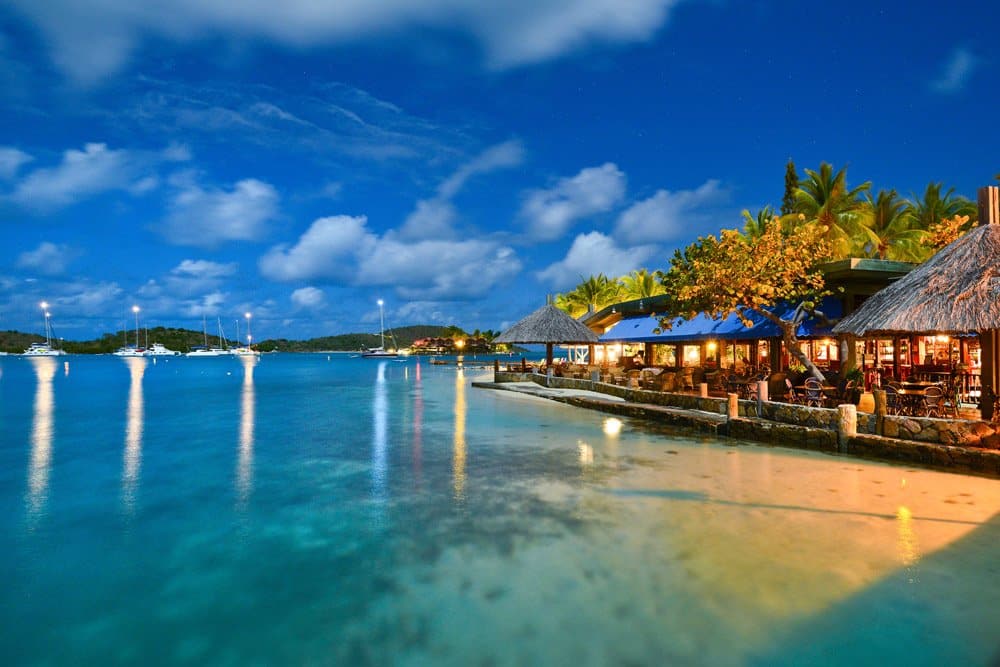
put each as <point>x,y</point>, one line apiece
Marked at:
<point>911,399</point>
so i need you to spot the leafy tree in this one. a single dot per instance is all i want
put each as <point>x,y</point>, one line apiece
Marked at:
<point>791,186</point>
<point>825,198</point>
<point>640,284</point>
<point>738,274</point>
<point>893,234</point>
<point>944,232</point>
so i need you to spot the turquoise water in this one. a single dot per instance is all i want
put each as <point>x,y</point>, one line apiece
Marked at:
<point>328,510</point>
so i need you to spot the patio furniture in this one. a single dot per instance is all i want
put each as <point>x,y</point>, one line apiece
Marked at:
<point>814,393</point>
<point>933,399</point>
<point>791,396</point>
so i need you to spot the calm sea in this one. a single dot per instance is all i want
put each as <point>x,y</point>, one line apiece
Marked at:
<point>314,509</point>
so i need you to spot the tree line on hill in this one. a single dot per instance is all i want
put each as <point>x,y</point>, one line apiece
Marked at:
<point>182,340</point>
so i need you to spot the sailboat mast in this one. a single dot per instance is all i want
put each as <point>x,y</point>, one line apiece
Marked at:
<point>381,324</point>
<point>204,328</point>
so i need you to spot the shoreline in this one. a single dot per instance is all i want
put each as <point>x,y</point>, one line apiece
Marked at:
<point>936,456</point>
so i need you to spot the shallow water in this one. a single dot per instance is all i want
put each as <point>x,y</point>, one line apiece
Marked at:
<point>329,510</point>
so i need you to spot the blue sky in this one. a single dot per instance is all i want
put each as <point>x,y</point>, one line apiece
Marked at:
<point>458,160</point>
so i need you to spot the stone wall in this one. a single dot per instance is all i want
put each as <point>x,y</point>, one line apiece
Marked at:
<point>950,432</point>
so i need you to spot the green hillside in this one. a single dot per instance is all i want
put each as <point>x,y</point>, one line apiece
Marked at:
<point>183,340</point>
<point>403,336</point>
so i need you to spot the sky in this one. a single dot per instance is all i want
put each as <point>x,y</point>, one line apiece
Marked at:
<point>301,160</point>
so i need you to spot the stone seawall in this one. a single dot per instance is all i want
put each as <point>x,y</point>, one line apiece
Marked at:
<point>951,432</point>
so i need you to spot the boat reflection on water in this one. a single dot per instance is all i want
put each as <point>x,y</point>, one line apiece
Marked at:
<point>248,413</point>
<point>41,437</point>
<point>134,422</point>
<point>458,453</point>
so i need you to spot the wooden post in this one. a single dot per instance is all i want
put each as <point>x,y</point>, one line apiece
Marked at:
<point>733,406</point>
<point>989,341</point>
<point>703,390</point>
<point>548,354</point>
<point>989,205</point>
<point>880,410</point>
<point>847,424</point>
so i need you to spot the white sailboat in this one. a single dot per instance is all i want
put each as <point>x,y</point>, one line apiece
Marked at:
<point>44,349</point>
<point>244,350</point>
<point>132,350</point>
<point>379,352</point>
<point>205,350</point>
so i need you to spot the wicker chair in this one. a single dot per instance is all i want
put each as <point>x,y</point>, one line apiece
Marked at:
<point>933,401</point>
<point>814,393</point>
<point>792,396</point>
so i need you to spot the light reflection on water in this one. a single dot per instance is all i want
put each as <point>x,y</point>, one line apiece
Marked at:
<point>458,449</point>
<point>248,408</point>
<point>132,458</point>
<point>41,436</point>
<point>380,415</point>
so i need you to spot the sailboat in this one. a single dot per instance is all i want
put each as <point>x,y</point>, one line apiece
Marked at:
<point>379,352</point>
<point>44,349</point>
<point>244,350</point>
<point>132,350</point>
<point>205,350</point>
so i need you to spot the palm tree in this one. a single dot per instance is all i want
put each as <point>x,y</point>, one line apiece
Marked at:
<point>893,234</point>
<point>754,226</point>
<point>640,284</point>
<point>592,294</point>
<point>934,207</point>
<point>824,197</point>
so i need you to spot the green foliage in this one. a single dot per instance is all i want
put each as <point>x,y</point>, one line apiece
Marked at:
<point>737,274</point>
<point>592,294</point>
<point>791,186</point>
<point>640,284</point>
<point>825,198</point>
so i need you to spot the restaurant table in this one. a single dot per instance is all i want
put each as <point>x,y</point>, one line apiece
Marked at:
<point>910,400</point>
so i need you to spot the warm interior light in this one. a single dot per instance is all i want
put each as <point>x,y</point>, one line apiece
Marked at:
<point>711,346</point>
<point>460,344</point>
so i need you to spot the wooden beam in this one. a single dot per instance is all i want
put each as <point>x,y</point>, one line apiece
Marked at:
<point>989,205</point>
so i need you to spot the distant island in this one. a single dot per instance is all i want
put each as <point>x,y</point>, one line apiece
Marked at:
<point>426,338</point>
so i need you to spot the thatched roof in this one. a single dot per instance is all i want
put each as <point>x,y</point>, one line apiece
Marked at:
<point>548,324</point>
<point>955,291</point>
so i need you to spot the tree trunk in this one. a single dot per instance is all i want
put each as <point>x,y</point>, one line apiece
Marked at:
<point>791,342</point>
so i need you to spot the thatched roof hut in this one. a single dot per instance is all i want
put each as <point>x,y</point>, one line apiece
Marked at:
<point>547,325</point>
<point>955,291</point>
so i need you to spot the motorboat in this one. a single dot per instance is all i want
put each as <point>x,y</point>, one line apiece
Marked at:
<point>159,350</point>
<point>131,351</point>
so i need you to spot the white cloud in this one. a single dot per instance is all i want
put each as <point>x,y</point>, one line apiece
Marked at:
<point>956,72</point>
<point>341,250</point>
<point>434,218</point>
<point>326,250</point>
<point>203,268</point>
<point>11,159</point>
<point>48,258</point>
<point>209,217</point>
<point>550,213</point>
<point>80,174</point>
<point>308,297</point>
<point>439,269</point>
<point>591,254</point>
<point>510,34</point>
<point>666,215</point>
<point>501,156</point>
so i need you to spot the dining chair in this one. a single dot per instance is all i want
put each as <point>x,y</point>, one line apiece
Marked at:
<point>893,405</point>
<point>814,392</point>
<point>933,397</point>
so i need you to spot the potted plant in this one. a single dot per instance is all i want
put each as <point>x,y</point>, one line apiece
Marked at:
<point>858,378</point>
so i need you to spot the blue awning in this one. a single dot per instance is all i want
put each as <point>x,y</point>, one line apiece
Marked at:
<point>702,327</point>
